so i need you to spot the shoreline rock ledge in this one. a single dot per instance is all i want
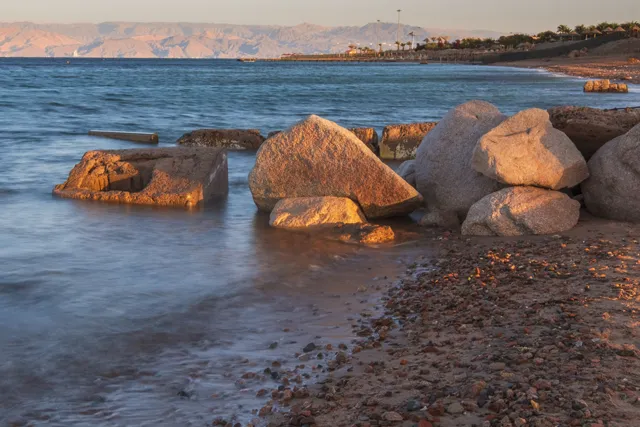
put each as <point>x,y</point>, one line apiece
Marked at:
<point>231,139</point>
<point>316,158</point>
<point>184,177</point>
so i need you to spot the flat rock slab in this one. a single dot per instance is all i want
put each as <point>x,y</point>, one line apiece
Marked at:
<point>141,137</point>
<point>400,142</point>
<point>316,158</point>
<point>231,139</point>
<point>613,189</point>
<point>309,212</point>
<point>185,177</point>
<point>591,128</point>
<point>521,211</point>
<point>525,149</point>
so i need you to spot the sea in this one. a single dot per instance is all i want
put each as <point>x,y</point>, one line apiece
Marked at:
<point>117,315</point>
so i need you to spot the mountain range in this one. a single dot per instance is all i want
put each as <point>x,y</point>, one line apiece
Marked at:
<point>190,40</point>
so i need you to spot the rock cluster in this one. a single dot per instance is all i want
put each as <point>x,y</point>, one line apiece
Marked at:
<point>317,158</point>
<point>184,177</point>
<point>465,163</point>
<point>231,139</point>
<point>400,142</point>
<point>605,86</point>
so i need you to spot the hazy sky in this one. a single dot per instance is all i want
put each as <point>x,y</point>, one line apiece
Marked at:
<point>501,15</point>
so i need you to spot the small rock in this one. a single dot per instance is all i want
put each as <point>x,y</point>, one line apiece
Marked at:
<point>455,408</point>
<point>309,348</point>
<point>392,416</point>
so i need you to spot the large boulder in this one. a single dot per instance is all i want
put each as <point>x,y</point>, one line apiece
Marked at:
<point>612,190</point>
<point>407,170</point>
<point>591,128</point>
<point>178,176</point>
<point>400,142</point>
<point>518,211</point>
<point>526,150</point>
<point>605,86</point>
<point>231,139</point>
<point>369,136</point>
<point>308,212</point>
<point>317,158</point>
<point>444,175</point>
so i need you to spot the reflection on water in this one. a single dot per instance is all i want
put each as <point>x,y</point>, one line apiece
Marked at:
<point>108,311</point>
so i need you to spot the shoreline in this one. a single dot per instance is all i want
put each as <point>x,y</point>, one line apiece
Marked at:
<point>538,331</point>
<point>604,67</point>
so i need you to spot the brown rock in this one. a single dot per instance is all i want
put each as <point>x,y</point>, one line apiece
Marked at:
<point>364,234</point>
<point>612,190</point>
<point>231,139</point>
<point>605,86</point>
<point>307,212</point>
<point>400,142</point>
<point>317,157</point>
<point>184,177</point>
<point>525,149</point>
<point>591,128</point>
<point>369,136</point>
<point>519,211</point>
<point>273,133</point>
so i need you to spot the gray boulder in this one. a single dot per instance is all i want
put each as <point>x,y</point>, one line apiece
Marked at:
<point>526,150</point>
<point>519,211</point>
<point>444,175</point>
<point>407,170</point>
<point>612,189</point>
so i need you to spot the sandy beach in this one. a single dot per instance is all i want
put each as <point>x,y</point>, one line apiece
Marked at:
<point>539,331</point>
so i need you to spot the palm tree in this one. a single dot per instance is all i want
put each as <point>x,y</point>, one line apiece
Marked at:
<point>403,45</point>
<point>398,44</point>
<point>380,47</point>
<point>629,25</point>
<point>580,29</point>
<point>564,29</point>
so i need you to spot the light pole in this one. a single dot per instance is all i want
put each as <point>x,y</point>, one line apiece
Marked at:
<point>398,30</point>
<point>378,33</point>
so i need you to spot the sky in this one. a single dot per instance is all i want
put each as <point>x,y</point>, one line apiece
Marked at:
<point>498,15</point>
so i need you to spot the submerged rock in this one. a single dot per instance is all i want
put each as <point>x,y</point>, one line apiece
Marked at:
<point>308,212</point>
<point>317,158</point>
<point>591,128</point>
<point>231,139</point>
<point>444,175</point>
<point>526,150</point>
<point>400,142</point>
<point>519,211</point>
<point>612,189</point>
<point>184,177</point>
<point>369,136</point>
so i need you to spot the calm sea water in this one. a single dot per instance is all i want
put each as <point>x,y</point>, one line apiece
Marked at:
<point>108,312</point>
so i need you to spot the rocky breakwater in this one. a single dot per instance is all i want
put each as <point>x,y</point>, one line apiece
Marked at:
<point>184,177</point>
<point>604,86</point>
<point>231,139</point>
<point>401,142</point>
<point>591,128</point>
<point>316,158</point>
<point>526,152</point>
<point>369,136</point>
<point>612,189</point>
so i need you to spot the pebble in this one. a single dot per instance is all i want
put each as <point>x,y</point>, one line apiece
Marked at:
<point>392,416</point>
<point>455,408</point>
<point>309,348</point>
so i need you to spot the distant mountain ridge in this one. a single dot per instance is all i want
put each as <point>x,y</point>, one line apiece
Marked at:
<point>192,40</point>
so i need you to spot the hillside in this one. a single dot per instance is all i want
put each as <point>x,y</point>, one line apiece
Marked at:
<point>188,40</point>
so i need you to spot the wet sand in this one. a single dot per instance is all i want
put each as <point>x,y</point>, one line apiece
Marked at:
<point>595,67</point>
<point>541,331</point>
